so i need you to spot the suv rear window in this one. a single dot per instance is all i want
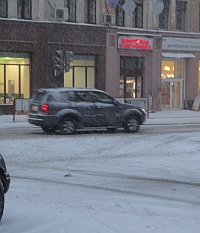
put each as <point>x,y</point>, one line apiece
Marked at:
<point>38,96</point>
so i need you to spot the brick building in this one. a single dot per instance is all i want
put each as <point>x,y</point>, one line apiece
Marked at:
<point>131,49</point>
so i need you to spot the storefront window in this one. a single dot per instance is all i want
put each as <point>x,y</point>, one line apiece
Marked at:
<point>82,74</point>
<point>14,79</point>
<point>172,69</point>
<point>131,77</point>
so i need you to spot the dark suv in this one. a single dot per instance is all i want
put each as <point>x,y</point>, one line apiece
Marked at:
<point>64,110</point>
<point>4,183</point>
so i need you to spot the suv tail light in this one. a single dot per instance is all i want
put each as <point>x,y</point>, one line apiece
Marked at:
<point>45,108</point>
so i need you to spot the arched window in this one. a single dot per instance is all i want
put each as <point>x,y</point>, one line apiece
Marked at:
<point>24,9</point>
<point>90,11</point>
<point>71,5</point>
<point>164,16</point>
<point>137,15</point>
<point>120,13</point>
<point>181,15</point>
<point>3,8</point>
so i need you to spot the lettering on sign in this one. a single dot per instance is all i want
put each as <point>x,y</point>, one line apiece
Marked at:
<point>184,44</point>
<point>140,43</point>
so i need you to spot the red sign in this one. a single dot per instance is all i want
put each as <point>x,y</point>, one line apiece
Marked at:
<point>138,43</point>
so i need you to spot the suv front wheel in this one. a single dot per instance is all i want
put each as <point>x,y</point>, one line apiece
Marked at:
<point>132,124</point>
<point>67,126</point>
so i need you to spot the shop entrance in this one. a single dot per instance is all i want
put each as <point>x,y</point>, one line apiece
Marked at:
<point>172,78</point>
<point>171,94</point>
<point>131,77</point>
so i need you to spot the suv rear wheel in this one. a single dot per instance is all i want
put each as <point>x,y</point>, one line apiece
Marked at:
<point>132,124</point>
<point>67,126</point>
<point>1,199</point>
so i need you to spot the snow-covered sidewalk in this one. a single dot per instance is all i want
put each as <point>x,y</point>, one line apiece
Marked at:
<point>163,117</point>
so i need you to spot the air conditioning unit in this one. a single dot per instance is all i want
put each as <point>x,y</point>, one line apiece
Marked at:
<point>61,14</point>
<point>109,19</point>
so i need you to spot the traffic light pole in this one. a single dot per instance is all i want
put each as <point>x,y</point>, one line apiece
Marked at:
<point>62,61</point>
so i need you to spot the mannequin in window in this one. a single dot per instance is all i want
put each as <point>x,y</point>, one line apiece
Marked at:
<point>12,98</point>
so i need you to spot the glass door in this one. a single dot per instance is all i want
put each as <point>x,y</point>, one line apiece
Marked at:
<point>171,94</point>
<point>131,77</point>
<point>173,76</point>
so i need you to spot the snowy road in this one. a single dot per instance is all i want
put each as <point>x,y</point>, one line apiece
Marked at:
<point>103,182</point>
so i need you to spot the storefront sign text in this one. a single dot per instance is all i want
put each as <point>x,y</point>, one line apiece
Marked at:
<point>138,43</point>
<point>182,44</point>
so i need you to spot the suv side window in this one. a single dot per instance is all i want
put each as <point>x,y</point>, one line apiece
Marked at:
<point>67,95</point>
<point>76,96</point>
<point>101,97</point>
<point>83,96</point>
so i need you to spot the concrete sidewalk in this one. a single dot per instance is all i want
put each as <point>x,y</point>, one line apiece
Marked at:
<point>163,117</point>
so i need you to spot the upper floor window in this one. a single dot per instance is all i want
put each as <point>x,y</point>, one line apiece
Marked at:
<point>90,11</point>
<point>3,8</point>
<point>24,9</point>
<point>180,15</point>
<point>164,16</point>
<point>71,5</point>
<point>137,16</point>
<point>120,13</point>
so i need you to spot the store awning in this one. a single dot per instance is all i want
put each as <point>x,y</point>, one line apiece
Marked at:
<point>178,55</point>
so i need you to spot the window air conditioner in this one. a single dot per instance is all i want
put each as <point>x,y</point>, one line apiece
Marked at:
<point>61,14</point>
<point>109,19</point>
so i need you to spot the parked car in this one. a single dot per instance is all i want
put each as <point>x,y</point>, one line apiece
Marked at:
<point>64,110</point>
<point>4,184</point>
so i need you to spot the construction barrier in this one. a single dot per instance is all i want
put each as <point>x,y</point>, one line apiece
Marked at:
<point>20,106</point>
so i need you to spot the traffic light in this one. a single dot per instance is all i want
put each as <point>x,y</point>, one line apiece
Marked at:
<point>68,58</point>
<point>58,63</point>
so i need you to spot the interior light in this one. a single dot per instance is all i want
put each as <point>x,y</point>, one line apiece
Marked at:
<point>167,68</point>
<point>11,58</point>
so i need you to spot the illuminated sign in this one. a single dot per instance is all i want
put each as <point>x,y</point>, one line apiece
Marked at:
<point>138,43</point>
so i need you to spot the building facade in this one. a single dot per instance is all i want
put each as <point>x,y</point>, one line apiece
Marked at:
<point>130,49</point>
